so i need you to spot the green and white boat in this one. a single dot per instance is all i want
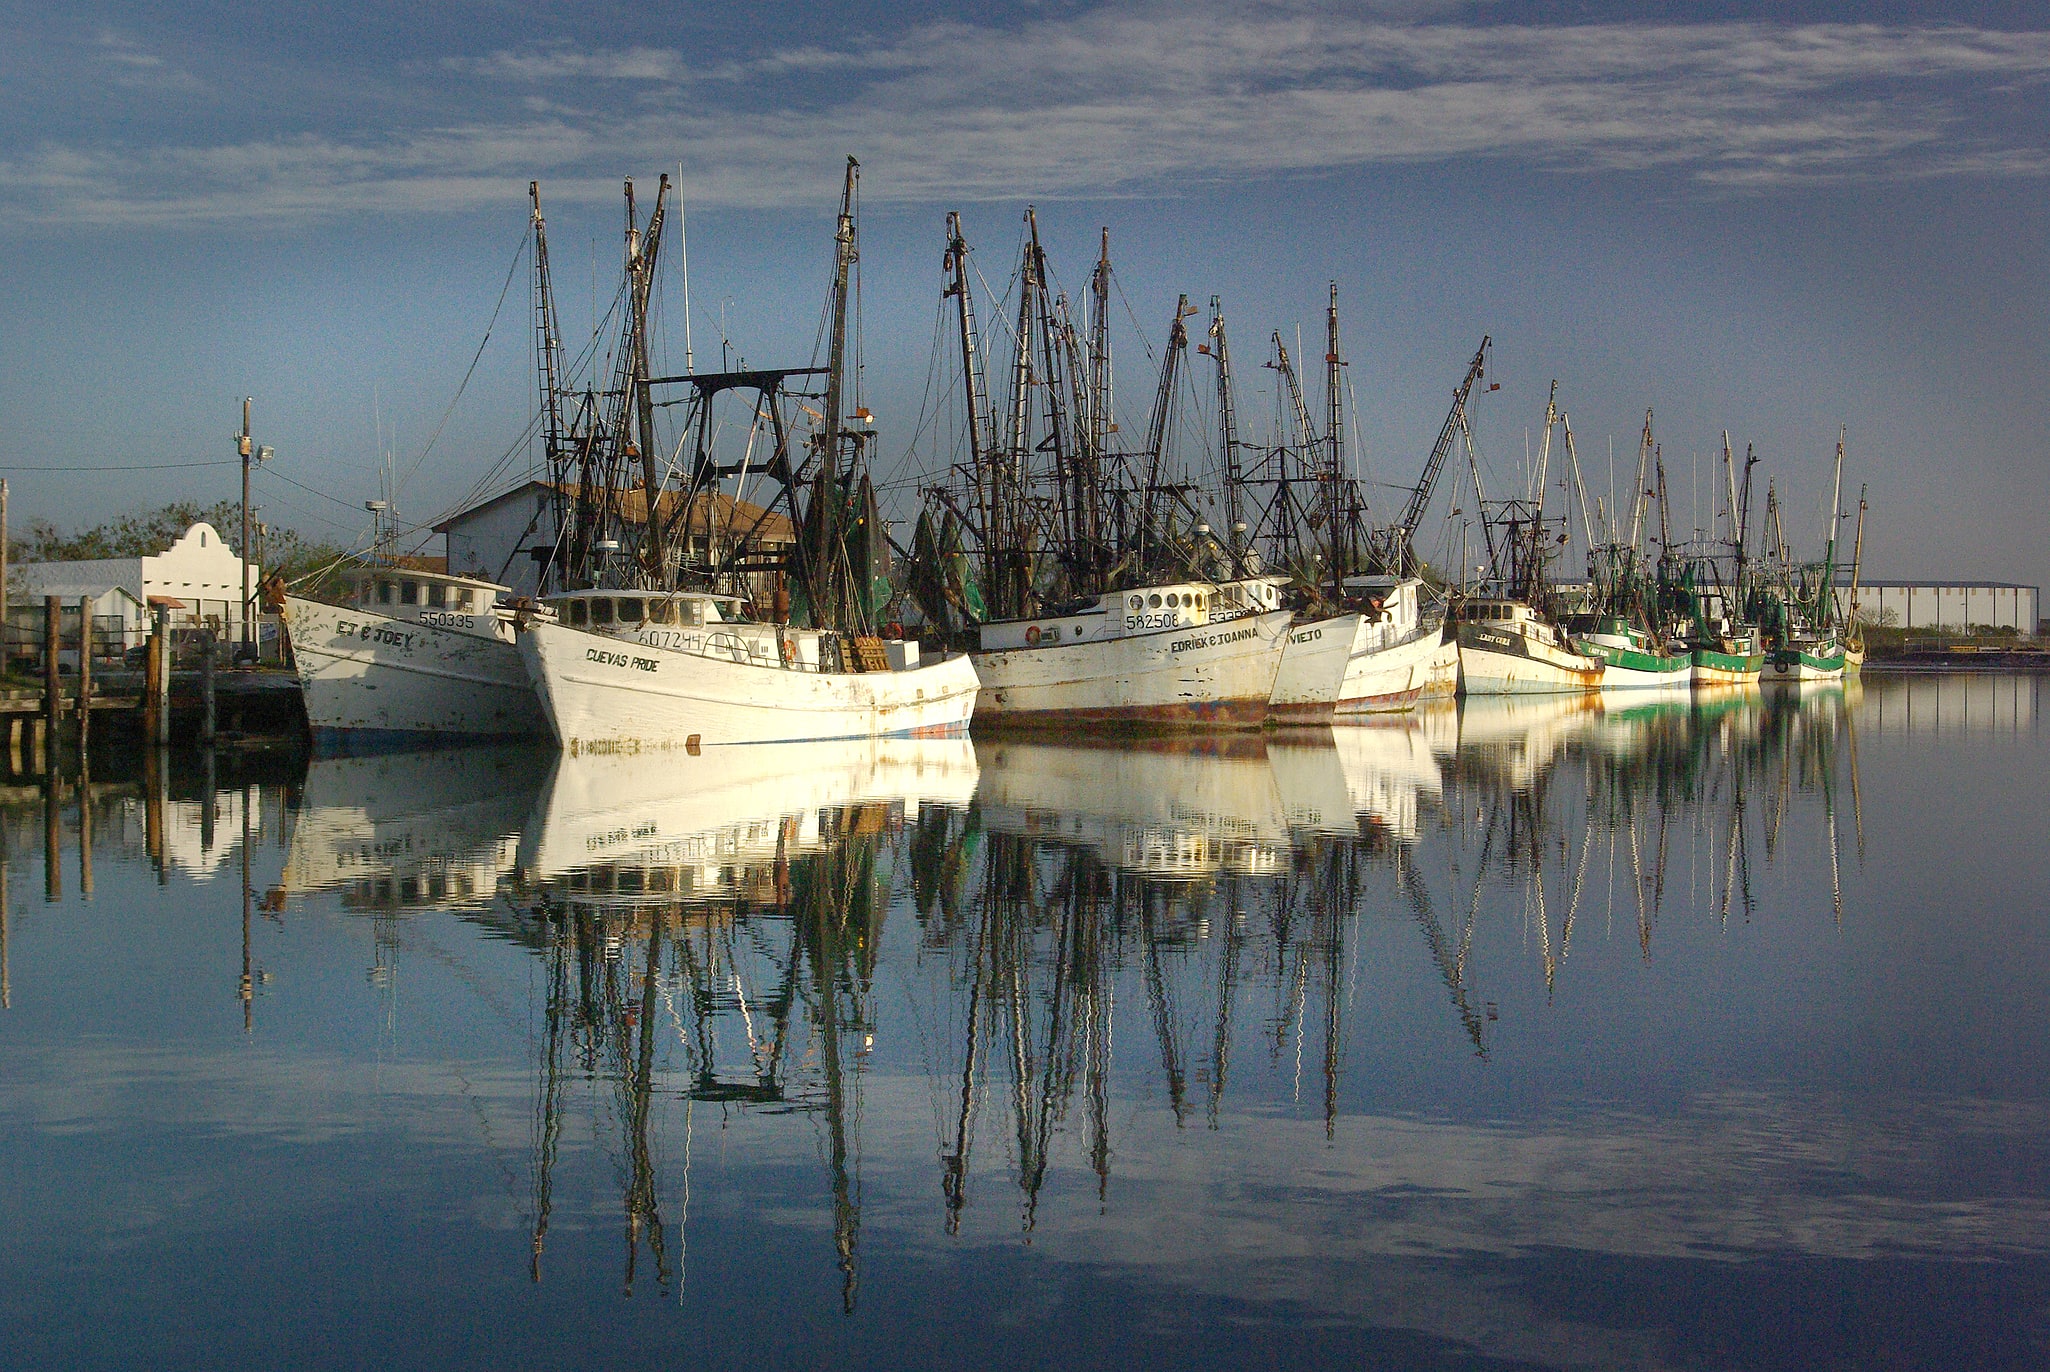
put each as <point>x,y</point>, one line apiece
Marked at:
<point>1631,658</point>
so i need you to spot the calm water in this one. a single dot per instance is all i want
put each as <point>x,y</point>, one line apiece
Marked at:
<point>1537,1037</point>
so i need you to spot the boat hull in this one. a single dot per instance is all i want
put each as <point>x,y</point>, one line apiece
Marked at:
<point>1791,665</point>
<point>603,694</point>
<point>1711,669</point>
<point>1631,669</point>
<point>371,682</point>
<point>1217,674</point>
<point>1336,668</point>
<point>1494,662</point>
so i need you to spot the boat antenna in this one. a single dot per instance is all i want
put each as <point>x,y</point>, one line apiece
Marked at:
<point>683,243</point>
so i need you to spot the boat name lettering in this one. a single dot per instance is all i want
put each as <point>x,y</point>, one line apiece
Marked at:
<point>1307,636</point>
<point>371,633</point>
<point>612,659</point>
<point>1211,640</point>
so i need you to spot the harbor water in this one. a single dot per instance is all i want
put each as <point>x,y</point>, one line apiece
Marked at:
<point>1546,1033</point>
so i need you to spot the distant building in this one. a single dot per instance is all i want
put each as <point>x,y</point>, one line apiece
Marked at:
<point>1945,604</point>
<point>508,537</point>
<point>198,580</point>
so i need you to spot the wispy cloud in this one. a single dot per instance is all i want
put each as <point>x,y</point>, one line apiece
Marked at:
<point>1119,101</point>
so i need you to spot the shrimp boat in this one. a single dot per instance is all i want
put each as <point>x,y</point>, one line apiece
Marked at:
<point>1186,653</point>
<point>1510,643</point>
<point>1376,660</point>
<point>1082,594</point>
<point>1632,658</point>
<point>631,672</point>
<point>1798,606</point>
<point>405,658</point>
<point>1366,641</point>
<point>645,643</point>
<point>1508,648</point>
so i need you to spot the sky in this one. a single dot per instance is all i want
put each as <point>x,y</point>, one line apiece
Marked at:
<point>1771,220</point>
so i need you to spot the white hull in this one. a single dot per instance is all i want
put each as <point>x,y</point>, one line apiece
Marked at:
<point>605,694</point>
<point>1341,666</point>
<point>1215,673</point>
<point>1443,681</point>
<point>371,679</point>
<point>1484,671</point>
<point>1617,677</point>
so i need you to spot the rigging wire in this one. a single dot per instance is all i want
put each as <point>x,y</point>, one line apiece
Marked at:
<point>519,256</point>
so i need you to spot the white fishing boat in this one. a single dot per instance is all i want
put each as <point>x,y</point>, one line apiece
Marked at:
<point>1187,653</point>
<point>621,671</point>
<point>1374,660</point>
<point>1505,648</point>
<point>406,658</point>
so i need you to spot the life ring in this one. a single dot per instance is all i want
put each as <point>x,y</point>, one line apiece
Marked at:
<point>1032,636</point>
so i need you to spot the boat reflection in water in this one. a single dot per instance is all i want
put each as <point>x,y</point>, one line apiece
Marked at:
<point>431,830</point>
<point>713,927</point>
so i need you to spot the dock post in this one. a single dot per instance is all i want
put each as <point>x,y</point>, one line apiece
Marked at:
<point>206,688</point>
<point>53,688</point>
<point>85,673</point>
<point>161,697</point>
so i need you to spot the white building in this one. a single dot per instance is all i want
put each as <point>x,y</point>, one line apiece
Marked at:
<point>198,579</point>
<point>1945,604</point>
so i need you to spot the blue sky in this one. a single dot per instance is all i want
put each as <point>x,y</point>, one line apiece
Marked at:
<point>1773,222</point>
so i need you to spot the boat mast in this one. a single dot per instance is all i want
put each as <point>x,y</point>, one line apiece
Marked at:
<point>643,253</point>
<point>1337,507</point>
<point>1102,424</point>
<point>974,379</point>
<point>1823,594</point>
<point>1857,562</point>
<point>1228,438</point>
<point>548,360</point>
<point>1156,428</point>
<point>844,258</point>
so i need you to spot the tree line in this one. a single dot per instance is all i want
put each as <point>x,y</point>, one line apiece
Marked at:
<point>285,551</point>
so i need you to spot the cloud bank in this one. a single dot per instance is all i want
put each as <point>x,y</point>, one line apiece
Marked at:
<point>1111,102</point>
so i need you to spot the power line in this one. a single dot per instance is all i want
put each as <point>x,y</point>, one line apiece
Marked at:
<point>134,467</point>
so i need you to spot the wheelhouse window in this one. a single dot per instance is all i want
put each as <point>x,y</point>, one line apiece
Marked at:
<point>409,593</point>
<point>466,599</point>
<point>437,595</point>
<point>631,610</point>
<point>578,612</point>
<point>383,592</point>
<point>601,612</point>
<point>662,612</point>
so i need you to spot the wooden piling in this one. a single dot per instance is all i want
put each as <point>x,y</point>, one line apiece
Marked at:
<point>53,687</point>
<point>206,688</point>
<point>160,694</point>
<point>85,672</point>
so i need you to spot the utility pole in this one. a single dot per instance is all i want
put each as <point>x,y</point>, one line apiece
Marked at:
<point>249,455</point>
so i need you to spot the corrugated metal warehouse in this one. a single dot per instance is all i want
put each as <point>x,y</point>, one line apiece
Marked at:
<point>1945,604</point>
